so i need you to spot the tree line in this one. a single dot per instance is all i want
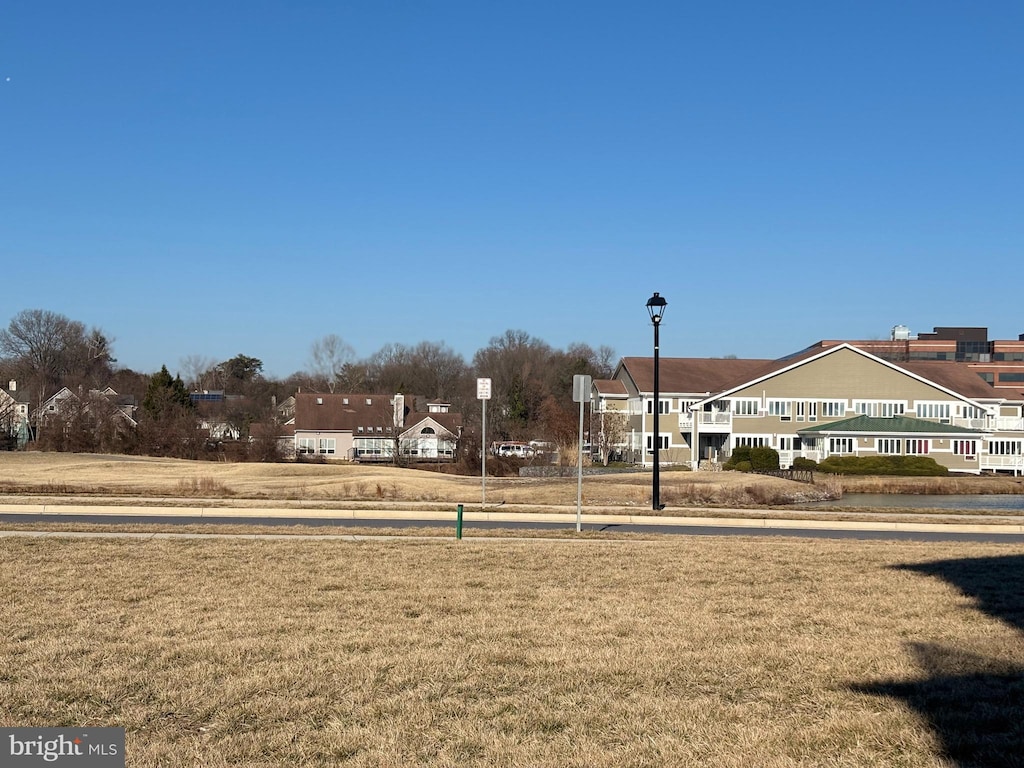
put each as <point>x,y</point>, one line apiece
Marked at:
<point>44,351</point>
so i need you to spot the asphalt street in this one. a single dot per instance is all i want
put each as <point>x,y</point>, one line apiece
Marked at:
<point>526,522</point>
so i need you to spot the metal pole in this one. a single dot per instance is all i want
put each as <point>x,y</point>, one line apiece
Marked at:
<point>483,455</point>
<point>458,523</point>
<point>579,481</point>
<point>656,492</point>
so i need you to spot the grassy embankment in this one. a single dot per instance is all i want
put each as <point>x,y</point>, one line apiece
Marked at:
<point>142,477</point>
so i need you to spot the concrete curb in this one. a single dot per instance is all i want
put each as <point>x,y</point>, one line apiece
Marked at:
<point>569,519</point>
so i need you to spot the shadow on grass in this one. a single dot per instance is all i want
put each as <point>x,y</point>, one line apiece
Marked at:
<point>974,704</point>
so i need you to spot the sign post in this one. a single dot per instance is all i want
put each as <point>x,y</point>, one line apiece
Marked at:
<point>483,394</point>
<point>580,394</point>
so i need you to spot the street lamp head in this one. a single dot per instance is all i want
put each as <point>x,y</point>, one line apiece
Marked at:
<point>656,306</point>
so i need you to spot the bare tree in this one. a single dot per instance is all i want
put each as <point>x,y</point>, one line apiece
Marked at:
<point>199,371</point>
<point>50,350</point>
<point>328,358</point>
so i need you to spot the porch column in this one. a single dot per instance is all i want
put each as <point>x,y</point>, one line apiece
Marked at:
<point>694,443</point>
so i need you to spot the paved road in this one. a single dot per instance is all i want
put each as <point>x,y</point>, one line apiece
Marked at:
<point>525,522</point>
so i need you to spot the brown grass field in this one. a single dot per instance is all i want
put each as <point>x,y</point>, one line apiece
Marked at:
<point>683,652</point>
<point>60,475</point>
<point>637,651</point>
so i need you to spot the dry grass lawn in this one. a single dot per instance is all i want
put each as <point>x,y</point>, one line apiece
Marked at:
<point>694,652</point>
<point>61,475</point>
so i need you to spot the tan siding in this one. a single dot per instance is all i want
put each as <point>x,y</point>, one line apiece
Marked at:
<point>844,375</point>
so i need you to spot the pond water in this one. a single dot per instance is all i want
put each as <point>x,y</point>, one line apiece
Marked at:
<point>998,501</point>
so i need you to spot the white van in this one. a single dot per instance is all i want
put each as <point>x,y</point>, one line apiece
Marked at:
<point>514,450</point>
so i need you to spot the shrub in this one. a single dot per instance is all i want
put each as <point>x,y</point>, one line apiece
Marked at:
<point>907,466</point>
<point>740,454</point>
<point>764,459</point>
<point>801,463</point>
<point>757,459</point>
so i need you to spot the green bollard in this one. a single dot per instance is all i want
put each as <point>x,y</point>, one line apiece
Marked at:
<point>458,523</point>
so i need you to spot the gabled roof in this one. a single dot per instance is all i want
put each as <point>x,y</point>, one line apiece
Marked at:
<point>976,387</point>
<point>417,421</point>
<point>610,388</point>
<point>342,412</point>
<point>689,375</point>
<point>871,425</point>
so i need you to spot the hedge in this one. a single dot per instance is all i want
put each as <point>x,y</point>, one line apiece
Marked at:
<point>756,459</point>
<point>908,466</point>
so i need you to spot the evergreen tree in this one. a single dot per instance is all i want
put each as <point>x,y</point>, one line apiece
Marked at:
<point>165,395</point>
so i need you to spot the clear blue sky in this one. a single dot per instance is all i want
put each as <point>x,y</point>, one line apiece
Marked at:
<point>221,178</point>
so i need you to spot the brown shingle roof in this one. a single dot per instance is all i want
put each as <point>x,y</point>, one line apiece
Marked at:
<point>610,387</point>
<point>692,375</point>
<point>342,412</point>
<point>714,375</point>
<point>331,413</point>
<point>955,376</point>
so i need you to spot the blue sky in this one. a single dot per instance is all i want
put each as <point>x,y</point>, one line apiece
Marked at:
<point>220,178</point>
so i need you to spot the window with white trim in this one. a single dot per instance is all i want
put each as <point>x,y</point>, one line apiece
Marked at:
<point>970,412</point>
<point>840,445</point>
<point>327,445</point>
<point>370,446</point>
<point>662,442</point>
<point>915,447</point>
<point>746,407</point>
<point>880,409</point>
<point>1004,447</point>
<point>305,445</point>
<point>664,406</point>
<point>781,408</point>
<point>965,447</point>
<point>750,441</point>
<point>889,446</point>
<point>928,410</point>
<point>832,409</point>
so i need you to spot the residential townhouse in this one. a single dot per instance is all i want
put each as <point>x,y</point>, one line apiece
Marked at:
<point>14,412</point>
<point>372,427</point>
<point>820,402</point>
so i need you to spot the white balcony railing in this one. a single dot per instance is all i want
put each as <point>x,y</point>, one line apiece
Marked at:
<point>1003,463</point>
<point>716,421</point>
<point>1009,424</point>
<point>979,424</point>
<point>992,423</point>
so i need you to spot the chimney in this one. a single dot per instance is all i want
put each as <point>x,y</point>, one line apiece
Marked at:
<point>12,385</point>
<point>399,416</point>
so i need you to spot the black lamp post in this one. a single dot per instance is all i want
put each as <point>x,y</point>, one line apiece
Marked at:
<point>656,307</point>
